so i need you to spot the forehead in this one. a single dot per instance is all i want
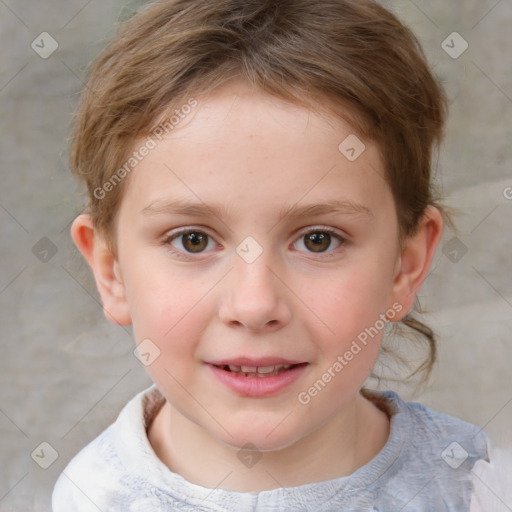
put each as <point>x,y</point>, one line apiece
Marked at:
<point>244,147</point>
<point>239,109</point>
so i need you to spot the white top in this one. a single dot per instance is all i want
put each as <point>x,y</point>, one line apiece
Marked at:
<point>424,466</point>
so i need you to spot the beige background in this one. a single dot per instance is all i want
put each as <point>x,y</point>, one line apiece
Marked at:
<point>65,372</point>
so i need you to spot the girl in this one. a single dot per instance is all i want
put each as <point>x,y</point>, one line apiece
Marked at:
<point>261,211</point>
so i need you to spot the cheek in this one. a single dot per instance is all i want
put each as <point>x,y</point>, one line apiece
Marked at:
<point>174,322</point>
<point>348,338</point>
<point>350,301</point>
<point>166,308</point>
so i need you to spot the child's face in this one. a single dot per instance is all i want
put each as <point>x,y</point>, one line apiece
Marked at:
<point>304,299</point>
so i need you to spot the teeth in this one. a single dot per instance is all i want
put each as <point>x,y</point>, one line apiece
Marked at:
<point>266,369</point>
<point>258,371</point>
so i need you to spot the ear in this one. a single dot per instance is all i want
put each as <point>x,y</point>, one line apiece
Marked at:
<point>105,267</point>
<point>415,260</point>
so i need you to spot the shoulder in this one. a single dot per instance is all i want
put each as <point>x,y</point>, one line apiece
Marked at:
<point>491,481</point>
<point>82,484</point>
<point>98,477</point>
<point>445,437</point>
<point>435,455</point>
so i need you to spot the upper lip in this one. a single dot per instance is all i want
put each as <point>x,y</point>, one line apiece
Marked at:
<point>248,361</point>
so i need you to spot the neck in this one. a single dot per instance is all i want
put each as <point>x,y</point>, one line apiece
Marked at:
<point>347,441</point>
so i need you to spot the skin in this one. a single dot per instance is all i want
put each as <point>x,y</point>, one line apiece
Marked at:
<point>255,155</point>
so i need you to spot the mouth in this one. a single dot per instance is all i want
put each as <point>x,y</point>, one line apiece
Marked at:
<point>258,371</point>
<point>257,378</point>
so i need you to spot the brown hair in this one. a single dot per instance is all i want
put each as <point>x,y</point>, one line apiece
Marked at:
<point>352,55</point>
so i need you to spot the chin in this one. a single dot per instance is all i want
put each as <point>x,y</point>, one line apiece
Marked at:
<point>262,437</point>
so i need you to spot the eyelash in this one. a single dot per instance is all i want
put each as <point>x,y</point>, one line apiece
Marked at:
<point>316,229</point>
<point>326,230</point>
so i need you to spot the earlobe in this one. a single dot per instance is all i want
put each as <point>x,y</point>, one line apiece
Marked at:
<point>105,268</point>
<point>416,258</point>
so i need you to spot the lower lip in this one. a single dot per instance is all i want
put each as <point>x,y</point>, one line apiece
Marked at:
<point>258,386</point>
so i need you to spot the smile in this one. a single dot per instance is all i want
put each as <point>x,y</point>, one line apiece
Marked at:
<point>257,371</point>
<point>257,381</point>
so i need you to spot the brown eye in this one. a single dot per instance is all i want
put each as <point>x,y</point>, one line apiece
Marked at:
<point>317,242</point>
<point>195,242</point>
<point>191,242</point>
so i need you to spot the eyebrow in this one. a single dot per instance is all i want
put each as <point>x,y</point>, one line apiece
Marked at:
<point>185,207</point>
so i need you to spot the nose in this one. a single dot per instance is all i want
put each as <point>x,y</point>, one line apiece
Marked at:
<point>254,297</point>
